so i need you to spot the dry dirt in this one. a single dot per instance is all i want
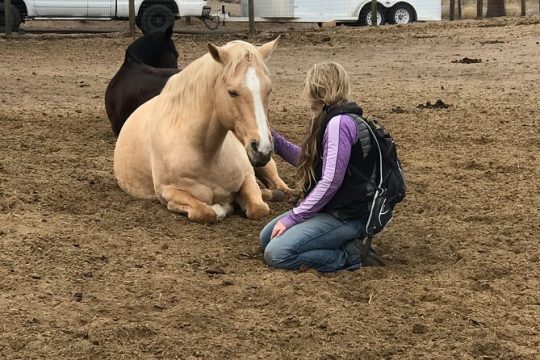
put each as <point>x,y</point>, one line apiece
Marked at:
<point>87,272</point>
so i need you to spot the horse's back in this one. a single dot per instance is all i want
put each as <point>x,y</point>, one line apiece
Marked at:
<point>132,155</point>
<point>133,85</point>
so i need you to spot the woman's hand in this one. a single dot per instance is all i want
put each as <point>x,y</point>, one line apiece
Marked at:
<point>278,230</point>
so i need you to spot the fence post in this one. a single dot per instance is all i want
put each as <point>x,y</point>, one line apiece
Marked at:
<point>479,9</point>
<point>374,12</point>
<point>523,8</point>
<point>452,10</point>
<point>7,13</point>
<point>132,17</point>
<point>459,9</point>
<point>251,14</point>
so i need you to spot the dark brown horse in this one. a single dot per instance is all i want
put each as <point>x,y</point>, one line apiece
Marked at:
<point>149,62</point>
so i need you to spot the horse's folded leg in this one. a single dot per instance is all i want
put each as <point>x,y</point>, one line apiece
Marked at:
<point>269,176</point>
<point>272,195</point>
<point>250,199</point>
<point>183,202</point>
<point>177,208</point>
<point>203,215</point>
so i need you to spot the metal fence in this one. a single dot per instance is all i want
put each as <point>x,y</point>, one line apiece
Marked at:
<point>150,15</point>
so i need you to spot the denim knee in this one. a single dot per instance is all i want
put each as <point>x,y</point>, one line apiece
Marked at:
<point>276,257</point>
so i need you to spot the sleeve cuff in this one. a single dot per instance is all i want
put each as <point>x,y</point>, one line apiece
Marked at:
<point>288,221</point>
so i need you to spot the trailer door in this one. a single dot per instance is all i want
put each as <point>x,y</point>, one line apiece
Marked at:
<point>321,10</point>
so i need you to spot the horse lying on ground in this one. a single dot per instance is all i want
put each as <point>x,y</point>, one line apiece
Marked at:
<point>193,146</point>
<point>149,62</point>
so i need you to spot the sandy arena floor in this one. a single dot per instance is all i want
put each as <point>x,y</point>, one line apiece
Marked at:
<point>88,272</point>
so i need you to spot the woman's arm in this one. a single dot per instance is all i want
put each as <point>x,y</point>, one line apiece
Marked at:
<point>287,150</point>
<point>339,137</point>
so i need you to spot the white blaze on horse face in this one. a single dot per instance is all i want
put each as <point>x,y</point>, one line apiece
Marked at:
<point>254,85</point>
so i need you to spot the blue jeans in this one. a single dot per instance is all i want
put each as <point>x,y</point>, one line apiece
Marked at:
<point>324,243</point>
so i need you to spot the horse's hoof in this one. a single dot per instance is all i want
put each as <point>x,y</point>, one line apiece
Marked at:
<point>278,196</point>
<point>258,212</point>
<point>203,216</point>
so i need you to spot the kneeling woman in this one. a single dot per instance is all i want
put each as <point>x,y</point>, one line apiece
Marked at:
<point>335,163</point>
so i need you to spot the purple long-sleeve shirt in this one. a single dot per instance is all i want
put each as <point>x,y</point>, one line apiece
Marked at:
<point>339,137</point>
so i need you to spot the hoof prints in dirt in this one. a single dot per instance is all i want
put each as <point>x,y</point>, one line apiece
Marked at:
<point>467,60</point>
<point>398,110</point>
<point>439,104</point>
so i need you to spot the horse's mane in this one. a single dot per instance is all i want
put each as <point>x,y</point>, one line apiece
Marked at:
<point>136,48</point>
<point>192,89</point>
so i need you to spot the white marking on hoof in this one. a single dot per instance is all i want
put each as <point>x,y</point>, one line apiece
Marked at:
<point>222,211</point>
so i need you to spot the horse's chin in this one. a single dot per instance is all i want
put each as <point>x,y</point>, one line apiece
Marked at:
<point>258,159</point>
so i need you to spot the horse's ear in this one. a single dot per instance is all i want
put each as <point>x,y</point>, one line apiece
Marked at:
<point>267,49</point>
<point>219,54</point>
<point>169,32</point>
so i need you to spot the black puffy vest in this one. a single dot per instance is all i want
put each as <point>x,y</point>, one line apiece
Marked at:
<point>353,198</point>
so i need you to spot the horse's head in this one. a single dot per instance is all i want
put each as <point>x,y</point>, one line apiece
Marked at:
<point>156,49</point>
<point>242,94</point>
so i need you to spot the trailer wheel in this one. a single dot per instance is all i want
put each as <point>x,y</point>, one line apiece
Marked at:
<point>16,18</point>
<point>401,14</point>
<point>365,15</point>
<point>156,17</point>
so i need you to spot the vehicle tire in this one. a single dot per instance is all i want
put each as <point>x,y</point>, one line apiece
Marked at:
<point>401,14</point>
<point>16,18</point>
<point>156,17</point>
<point>365,16</point>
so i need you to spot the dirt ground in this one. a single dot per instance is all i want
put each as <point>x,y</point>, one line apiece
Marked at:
<point>88,272</point>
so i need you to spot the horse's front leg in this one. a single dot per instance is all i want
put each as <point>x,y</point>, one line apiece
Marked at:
<point>181,201</point>
<point>250,199</point>
<point>269,176</point>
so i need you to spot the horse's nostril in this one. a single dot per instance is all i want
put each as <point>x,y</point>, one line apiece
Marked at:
<point>255,145</point>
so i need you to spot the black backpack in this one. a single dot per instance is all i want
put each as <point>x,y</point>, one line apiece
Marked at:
<point>389,181</point>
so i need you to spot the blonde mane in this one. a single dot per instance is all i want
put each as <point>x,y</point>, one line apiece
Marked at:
<point>191,90</point>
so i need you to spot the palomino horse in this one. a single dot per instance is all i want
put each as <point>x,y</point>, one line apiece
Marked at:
<point>193,146</point>
<point>149,62</point>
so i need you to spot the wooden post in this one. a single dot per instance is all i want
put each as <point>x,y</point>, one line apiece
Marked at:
<point>251,14</point>
<point>479,9</point>
<point>374,12</point>
<point>459,9</point>
<point>452,10</point>
<point>132,17</point>
<point>496,8</point>
<point>7,13</point>
<point>223,12</point>
<point>523,8</point>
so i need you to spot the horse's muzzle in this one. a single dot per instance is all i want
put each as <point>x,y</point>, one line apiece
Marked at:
<point>258,159</point>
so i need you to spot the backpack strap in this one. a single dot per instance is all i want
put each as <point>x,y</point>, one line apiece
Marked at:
<point>378,199</point>
<point>364,136</point>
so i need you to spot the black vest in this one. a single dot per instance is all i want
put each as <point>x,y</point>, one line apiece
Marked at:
<point>354,196</point>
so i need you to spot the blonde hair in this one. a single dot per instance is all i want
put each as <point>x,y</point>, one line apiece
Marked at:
<point>326,84</point>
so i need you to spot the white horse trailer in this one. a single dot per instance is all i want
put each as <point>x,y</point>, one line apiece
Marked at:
<point>356,12</point>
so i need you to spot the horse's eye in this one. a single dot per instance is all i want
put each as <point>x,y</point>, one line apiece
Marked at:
<point>233,93</point>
